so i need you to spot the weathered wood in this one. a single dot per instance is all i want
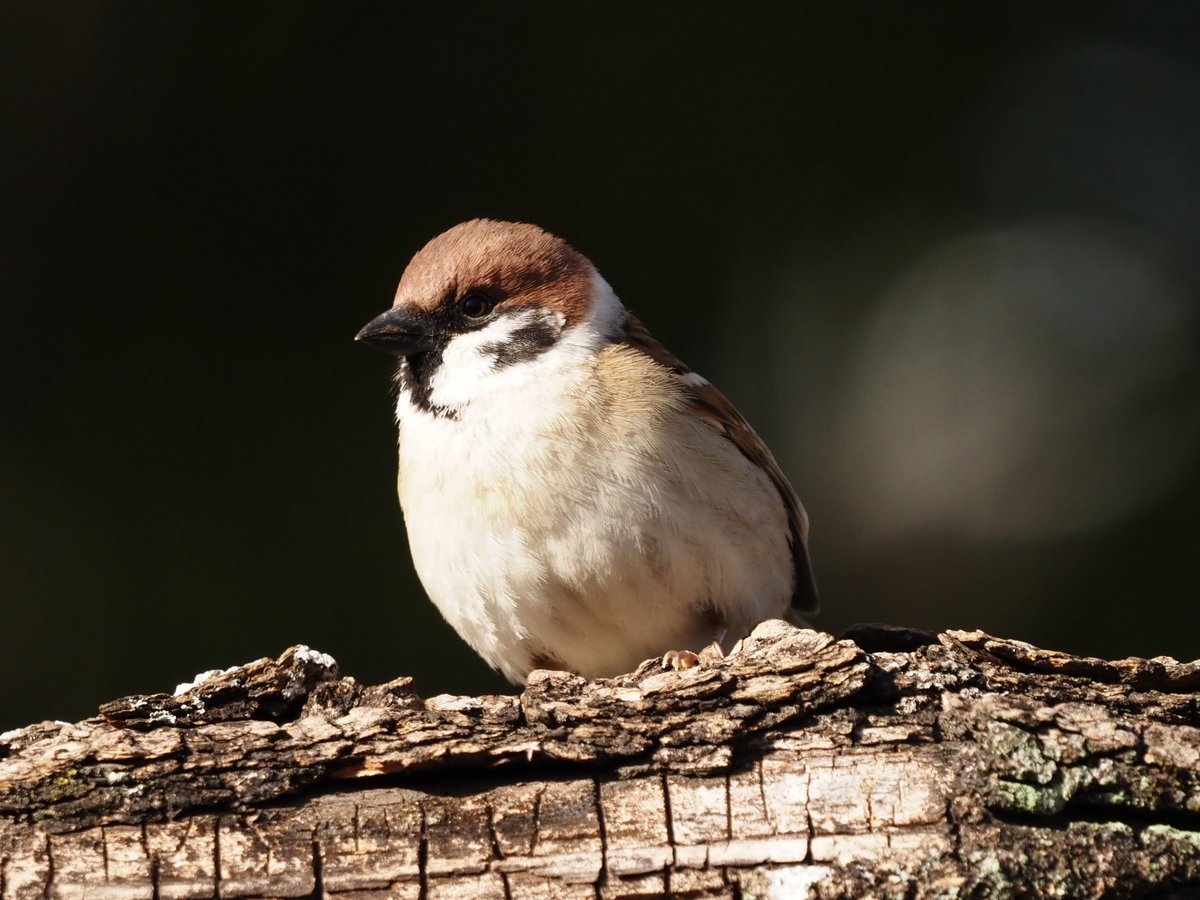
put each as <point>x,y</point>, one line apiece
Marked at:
<point>890,763</point>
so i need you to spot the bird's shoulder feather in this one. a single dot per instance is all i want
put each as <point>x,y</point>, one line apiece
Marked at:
<point>712,407</point>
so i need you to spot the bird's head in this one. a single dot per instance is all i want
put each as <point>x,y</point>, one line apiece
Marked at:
<point>501,289</point>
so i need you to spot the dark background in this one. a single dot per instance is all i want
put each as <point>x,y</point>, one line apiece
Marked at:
<point>943,256</point>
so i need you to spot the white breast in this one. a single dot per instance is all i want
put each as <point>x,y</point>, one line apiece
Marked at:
<point>571,510</point>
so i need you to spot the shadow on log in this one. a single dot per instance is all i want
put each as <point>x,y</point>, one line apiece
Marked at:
<point>891,763</point>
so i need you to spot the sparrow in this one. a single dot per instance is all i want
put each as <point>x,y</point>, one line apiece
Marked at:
<point>575,497</point>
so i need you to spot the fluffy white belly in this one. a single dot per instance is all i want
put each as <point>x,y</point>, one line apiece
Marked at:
<point>566,531</point>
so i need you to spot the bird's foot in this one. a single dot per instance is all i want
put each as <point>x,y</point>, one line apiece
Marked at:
<point>686,659</point>
<point>680,660</point>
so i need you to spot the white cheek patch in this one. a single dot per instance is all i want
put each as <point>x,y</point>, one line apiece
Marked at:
<point>528,350</point>
<point>483,361</point>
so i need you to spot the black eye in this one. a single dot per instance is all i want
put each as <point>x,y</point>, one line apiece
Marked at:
<point>475,306</point>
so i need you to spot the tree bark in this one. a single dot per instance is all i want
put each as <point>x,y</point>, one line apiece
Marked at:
<point>890,763</point>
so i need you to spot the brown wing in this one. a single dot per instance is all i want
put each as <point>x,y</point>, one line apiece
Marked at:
<point>711,405</point>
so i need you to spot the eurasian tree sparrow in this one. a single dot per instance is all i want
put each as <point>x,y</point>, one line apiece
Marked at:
<point>575,497</point>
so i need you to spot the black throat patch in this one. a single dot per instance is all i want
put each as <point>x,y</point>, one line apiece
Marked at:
<point>414,376</point>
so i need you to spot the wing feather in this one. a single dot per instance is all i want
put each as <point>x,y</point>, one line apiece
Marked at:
<point>714,408</point>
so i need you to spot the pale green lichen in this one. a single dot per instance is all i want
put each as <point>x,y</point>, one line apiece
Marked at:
<point>1022,754</point>
<point>989,865</point>
<point>1029,799</point>
<point>1170,833</point>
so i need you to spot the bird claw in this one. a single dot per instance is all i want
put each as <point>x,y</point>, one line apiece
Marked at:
<point>686,659</point>
<point>680,660</point>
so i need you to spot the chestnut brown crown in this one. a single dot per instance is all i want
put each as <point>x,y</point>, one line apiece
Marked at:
<point>511,263</point>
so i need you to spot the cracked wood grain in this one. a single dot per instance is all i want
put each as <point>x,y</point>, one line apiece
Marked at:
<point>891,763</point>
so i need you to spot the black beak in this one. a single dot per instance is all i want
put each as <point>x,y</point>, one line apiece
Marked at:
<point>398,332</point>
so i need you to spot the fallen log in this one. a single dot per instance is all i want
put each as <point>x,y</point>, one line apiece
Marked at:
<point>891,763</point>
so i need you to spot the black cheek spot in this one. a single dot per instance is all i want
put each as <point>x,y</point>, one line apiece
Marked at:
<point>526,342</point>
